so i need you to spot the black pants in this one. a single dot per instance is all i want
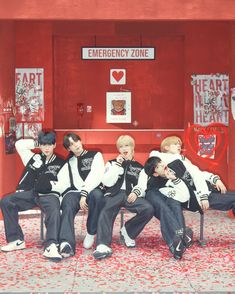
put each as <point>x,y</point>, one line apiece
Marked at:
<point>169,212</point>
<point>222,202</point>
<point>22,201</point>
<point>11,205</point>
<point>50,205</point>
<point>142,208</point>
<point>70,207</point>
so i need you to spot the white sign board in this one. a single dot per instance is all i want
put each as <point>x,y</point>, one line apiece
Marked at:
<point>115,53</point>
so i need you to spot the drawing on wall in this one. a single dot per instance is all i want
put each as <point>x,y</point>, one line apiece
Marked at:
<point>206,146</point>
<point>211,98</point>
<point>10,140</point>
<point>118,107</point>
<point>19,131</point>
<point>117,76</point>
<point>29,94</point>
<point>32,129</point>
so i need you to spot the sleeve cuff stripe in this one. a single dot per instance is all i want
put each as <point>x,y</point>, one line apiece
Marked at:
<point>176,181</point>
<point>137,192</point>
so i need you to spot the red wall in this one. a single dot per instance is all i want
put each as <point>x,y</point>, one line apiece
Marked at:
<point>7,83</point>
<point>156,86</point>
<point>207,50</point>
<point>161,90</point>
<point>116,9</point>
<point>34,49</point>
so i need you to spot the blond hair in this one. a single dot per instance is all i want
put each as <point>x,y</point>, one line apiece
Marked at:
<point>169,141</point>
<point>125,139</point>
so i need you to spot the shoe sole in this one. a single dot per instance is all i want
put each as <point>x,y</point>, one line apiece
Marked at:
<point>177,257</point>
<point>124,242</point>
<point>66,255</point>
<point>54,259</point>
<point>102,255</point>
<point>13,249</point>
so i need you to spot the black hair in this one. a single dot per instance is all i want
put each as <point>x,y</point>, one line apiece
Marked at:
<point>67,143</point>
<point>46,138</point>
<point>150,165</point>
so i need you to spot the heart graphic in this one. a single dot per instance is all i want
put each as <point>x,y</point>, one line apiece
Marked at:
<point>117,75</point>
<point>219,130</point>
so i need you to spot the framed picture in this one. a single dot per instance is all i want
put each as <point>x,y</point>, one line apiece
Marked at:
<point>117,76</point>
<point>10,139</point>
<point>118,107</point>
<point>29,94</point>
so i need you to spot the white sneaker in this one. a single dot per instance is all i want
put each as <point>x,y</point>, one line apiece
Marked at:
<point>52,253</point>
<point>102,251</point>
<point>88,241</point>
<point>66,250</point>
<point>127,240</point>
<point>15,245</point>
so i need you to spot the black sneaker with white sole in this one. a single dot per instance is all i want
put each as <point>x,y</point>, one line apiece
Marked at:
<point>178,246</point>
<point>101,255</point>
<point>66,250</point>
<point>188,237</point>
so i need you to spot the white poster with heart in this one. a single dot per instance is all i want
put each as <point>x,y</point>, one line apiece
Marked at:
<point>117,76</point>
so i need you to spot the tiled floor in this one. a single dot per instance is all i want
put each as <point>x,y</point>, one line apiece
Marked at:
<point>147,268</point>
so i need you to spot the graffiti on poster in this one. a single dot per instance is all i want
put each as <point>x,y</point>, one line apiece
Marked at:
<point>206,146</point>
<point>211,98</point>
<point>29,94</point>
<point>31,130</point>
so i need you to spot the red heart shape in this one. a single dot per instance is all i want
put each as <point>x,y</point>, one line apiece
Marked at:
<point>117,75</point>
<point>221,132</point>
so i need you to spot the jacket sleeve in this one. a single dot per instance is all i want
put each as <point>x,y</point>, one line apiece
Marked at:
<point>24,147</point>
<point>141,186</point>
<point>199,180</point>
<point>211,178</point>
<point>63,180</point>
<point>95,175</point>
<point>176,189</point>
<point>202,192</point>
<point>112,172</point>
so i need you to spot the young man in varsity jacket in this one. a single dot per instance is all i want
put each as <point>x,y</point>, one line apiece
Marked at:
<point>166,193</point>
<point>78,184</point>
<point>208,188</point>
<point>42,167</point>
<point>121,175</point>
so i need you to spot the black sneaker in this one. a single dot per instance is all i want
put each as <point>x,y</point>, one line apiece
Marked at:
<point>101,255</point>
<point>102,251</point>
<point>66,250</point>
<point>178,246</point>
<point>188,237</point>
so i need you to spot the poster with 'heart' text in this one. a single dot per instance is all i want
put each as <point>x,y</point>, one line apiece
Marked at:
<point>211,98</point>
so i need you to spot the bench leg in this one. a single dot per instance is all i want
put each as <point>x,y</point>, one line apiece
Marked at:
<point>122,218</point>
<point>42,227</point>
<point>202,242</point>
